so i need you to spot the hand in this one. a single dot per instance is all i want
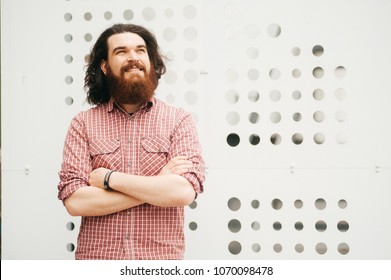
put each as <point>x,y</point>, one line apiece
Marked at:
<point>97,177</point>
<point>177,165</point>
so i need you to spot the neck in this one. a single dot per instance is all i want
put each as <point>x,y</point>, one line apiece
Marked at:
<point>130,108</point>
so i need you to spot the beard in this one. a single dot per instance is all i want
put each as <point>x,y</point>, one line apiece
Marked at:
<point>133,90</point>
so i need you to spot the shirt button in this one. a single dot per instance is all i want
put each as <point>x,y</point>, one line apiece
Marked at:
<point>129,164</point>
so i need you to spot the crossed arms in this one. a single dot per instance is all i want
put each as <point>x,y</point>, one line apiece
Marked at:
<point>167,189</point>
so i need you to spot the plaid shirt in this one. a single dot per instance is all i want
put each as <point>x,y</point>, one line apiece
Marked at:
<point>141,144</point>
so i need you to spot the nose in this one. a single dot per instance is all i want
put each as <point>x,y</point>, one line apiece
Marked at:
<point>133,56</point>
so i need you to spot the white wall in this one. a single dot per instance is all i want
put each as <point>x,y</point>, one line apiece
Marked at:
<point>221,56</point>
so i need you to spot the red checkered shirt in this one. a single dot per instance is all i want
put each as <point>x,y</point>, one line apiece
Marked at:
<point>141,144</point>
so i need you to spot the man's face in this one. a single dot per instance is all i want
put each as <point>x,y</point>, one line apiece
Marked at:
<point>129,74</point>
<point>124,49</point>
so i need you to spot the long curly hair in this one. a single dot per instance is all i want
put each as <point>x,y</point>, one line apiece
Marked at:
<point>95,80</point>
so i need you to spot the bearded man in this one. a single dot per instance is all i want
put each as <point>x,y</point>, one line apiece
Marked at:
<point>131,163</point>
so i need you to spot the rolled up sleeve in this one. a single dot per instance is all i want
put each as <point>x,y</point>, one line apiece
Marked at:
<point>76,165</point>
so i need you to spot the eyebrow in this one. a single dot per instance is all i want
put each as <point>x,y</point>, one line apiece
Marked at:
<point>124,48</point>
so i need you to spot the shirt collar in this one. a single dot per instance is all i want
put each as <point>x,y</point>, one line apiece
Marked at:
<point>147,106</point>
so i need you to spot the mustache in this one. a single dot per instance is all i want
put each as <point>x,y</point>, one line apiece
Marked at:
<point>133,64</point>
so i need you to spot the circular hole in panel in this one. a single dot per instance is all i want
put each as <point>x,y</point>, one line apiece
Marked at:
<point>88,37</point>
<point>274,74</point>
<point>318,72</point>
<point>191,76</point>
<point>255,225</point>
<point>190,12</point>
<point>234,203</point>
<point>190,55</point>
<point>170,77</point>
<point>340,116</point>
<point>296,73</point>
<point>69,100</point>
<point>232,32</point>
<point>318,94</point>
<point>320,203</point>
<point>277,226</point>
<point>296,95</point>
<point>299,226</point>
<point>275,95</point>
<point>342,203</point>
<point>253,117</point>
<point>68,17</point>
<point>253,96</point>
<point>68,38</point>
<point>232,96</point>
<point>317,50</point>
<point>170,98</point>
<point>275,139</point>
<point>318,116</point>
<point>233,118</point>
<point>276,204</point>
<point>169,34</point>
<point>298,203</point>
<point>340,71</point>
<point>321,248</point>
<point>319,138</point>
<point>252,53</point>
<point>169,13</point>
<point>70,247</point>
<point>255,204</point>
<point>340,94</point>
<point>254,139</point>
<point>70,226</point>
<point>296,117</point>
<point>274,30</point>
<point>343,248</point>
<point>296,51</point>
<point>87,58</point>
<point>341,138</point>
<point>297,138</point>
<point>343,226</point>
<point>253,74</point>
<point>68,58</point>
<point>68,80</point>
<point>277,248</point>
<point>234,247</point>
<point>299,248</point>
<point>193,205</point>
<point>231,10</point>
<point>128,15</point>
<point>191,97</point>
<point>231,75</point>
<point>149,14</point>
<point>275,117</point>
<point>256,248</point>
<point>190,33</point>
<point>108,15</point>
<point>87,16</point>
<point>234,225</point>
<point>193,225</point>
<point>252,31</point>
<point>320,226</point>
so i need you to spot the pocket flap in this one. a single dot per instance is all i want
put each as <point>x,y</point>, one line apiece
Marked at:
<point>103,146</point>
<point>156,144</point>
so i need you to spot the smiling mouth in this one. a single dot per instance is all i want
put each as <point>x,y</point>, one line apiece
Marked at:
<point>133,66</point>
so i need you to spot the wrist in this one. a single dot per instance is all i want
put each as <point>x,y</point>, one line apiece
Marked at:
<point>106,180</point>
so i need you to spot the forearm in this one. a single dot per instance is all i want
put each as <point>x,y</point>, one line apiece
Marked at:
<point>92,201</point>
<point>163,190</point>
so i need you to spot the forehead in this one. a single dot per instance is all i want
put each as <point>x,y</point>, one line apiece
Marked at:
<point>126,39</point>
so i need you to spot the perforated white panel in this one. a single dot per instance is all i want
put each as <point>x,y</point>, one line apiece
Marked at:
<point>291,100</point>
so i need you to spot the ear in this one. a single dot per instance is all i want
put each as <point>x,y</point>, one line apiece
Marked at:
<point>103,66</point>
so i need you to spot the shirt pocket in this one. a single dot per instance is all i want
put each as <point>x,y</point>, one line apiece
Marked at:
<point>106,153</point>
<point>154,153</point>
